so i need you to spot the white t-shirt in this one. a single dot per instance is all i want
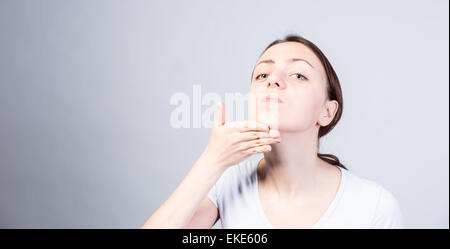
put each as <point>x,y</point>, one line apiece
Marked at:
<point>359,203</point>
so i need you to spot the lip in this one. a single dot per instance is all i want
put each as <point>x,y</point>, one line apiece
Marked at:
<point>272,98</point>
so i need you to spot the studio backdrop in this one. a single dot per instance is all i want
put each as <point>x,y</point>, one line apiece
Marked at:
<point>88,91</point>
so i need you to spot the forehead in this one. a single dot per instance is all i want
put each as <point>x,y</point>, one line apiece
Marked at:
<point>287,50</point>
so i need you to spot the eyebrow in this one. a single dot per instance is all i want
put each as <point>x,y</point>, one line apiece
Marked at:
<point>290,60</point>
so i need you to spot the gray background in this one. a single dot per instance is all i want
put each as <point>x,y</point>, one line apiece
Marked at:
<point>85,138</point>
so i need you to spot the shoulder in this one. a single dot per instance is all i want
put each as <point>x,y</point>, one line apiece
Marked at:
<point>360,186</point>
<point>382,204</point>
<point>388,213</point>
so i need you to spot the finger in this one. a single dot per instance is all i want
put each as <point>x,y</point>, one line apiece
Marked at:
<point>219,118</point>
<point>255,135</point>
<point>260,142</point>
<point>248,125</point>
<point>259,149</point>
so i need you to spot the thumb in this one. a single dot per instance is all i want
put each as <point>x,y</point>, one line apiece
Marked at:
<point>219,118</point>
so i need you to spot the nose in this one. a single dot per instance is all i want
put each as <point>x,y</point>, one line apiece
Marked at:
<point>274,82</point>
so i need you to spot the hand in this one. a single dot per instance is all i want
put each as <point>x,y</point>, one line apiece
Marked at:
<point>233,142</point>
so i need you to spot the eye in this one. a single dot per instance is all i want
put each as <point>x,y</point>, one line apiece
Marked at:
<point>299,76</point>
<point>258,77</point>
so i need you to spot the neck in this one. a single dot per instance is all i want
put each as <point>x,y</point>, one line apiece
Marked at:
<point>292,166</point>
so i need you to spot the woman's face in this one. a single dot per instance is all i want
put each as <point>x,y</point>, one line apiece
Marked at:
<point>288,89</point>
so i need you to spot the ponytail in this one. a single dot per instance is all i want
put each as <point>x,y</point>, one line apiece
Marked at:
<point>332,159</point>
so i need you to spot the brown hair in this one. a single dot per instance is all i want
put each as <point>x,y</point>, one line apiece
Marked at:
<point>333,90</point>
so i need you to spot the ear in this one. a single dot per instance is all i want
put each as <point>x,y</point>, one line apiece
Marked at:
<point>329,110</point>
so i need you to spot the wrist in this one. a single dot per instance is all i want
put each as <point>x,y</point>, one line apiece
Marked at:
<point>210,163</point>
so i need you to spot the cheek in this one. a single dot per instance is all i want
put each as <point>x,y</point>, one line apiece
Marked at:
<point>302,112</point>
<point>303,104</point>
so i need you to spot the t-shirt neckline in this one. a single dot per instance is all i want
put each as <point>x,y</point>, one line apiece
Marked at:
<point>322,219</point>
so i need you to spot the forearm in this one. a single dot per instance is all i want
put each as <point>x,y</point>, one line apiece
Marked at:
<point>179,208</point>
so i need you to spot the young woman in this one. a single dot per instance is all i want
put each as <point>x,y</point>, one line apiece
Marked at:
<point>292,186</point>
